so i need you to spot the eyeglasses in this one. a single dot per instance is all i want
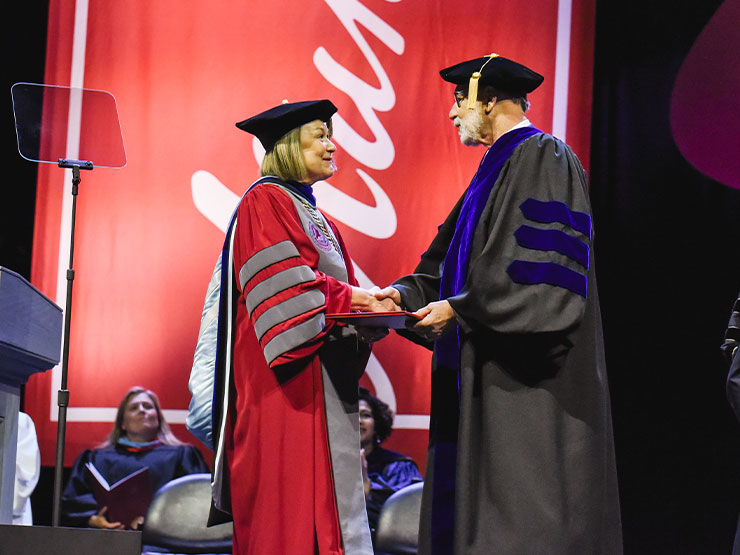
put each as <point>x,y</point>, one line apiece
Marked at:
<point>459,97</point>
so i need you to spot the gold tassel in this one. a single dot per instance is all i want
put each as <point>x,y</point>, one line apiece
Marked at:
<point>473,90</point>
<point>473,83</point>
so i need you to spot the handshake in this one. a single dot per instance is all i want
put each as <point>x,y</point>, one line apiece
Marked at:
<point>435,319</point>
<point>376,299</point>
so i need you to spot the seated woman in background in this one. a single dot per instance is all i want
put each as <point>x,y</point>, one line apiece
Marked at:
<point>140,438</point>
<point>387,471</point>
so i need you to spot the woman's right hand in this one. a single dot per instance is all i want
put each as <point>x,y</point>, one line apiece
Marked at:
<point>99,521</point>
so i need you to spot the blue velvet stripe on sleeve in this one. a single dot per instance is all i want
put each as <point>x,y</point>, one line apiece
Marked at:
<point>553,240</point>
<point>555,211</point>
<point>531,273</point>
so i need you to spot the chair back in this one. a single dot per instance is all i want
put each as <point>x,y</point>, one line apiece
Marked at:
<point>177,517</point>
<point>398,525</point>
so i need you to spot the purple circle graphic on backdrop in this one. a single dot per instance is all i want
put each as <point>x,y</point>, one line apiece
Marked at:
<point>705,117</point>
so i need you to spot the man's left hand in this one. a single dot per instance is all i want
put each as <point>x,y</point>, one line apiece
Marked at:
<point>438,318</point>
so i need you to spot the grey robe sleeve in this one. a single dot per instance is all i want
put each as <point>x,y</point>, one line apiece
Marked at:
<point>732,333</point>
<point>733,385</point>
<point>531,252</point>
<point>730,352</point>
<point>422,287</point>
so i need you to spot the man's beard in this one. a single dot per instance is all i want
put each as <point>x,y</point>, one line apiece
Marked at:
<point>470,128</point>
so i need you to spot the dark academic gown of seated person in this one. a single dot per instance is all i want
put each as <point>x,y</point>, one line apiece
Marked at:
<point>292,439</point>
<point>165,462</point>
<point>388,472</point>
<point>524,462</point>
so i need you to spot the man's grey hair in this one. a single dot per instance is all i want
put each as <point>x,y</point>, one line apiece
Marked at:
<point>488,92</point>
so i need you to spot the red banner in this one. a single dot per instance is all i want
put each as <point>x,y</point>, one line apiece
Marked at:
<point>183,72</point>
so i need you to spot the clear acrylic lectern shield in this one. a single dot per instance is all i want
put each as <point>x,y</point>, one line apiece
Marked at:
<point>54,122</point>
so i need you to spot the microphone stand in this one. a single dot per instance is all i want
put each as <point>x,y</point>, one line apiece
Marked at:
<point>63,393</point>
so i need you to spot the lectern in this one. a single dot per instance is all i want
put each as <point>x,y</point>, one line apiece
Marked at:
<point>31,328</point>
<point>30,342</point>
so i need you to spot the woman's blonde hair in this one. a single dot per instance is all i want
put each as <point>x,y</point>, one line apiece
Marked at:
<point>164,432</point>
<point>285,159</point>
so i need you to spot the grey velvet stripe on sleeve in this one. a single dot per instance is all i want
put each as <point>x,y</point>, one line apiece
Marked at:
<point>264,258</point>
<point>279,282</point>
<point>288,309</point>
<point>293,337</point>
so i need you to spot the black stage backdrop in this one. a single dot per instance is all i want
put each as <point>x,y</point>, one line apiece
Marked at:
<point>668,274</point>
<point>667,268</point>
<point>24,37</point>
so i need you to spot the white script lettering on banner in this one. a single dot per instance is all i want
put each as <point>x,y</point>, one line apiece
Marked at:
<point>377,154</point>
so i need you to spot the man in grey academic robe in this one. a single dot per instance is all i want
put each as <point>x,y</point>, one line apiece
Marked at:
<point>521,454</point>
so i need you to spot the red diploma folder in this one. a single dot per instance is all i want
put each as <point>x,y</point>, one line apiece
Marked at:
<point>127,499</point>
<point>391,320</point>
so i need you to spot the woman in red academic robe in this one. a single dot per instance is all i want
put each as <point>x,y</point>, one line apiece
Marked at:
<point>292,437</point>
